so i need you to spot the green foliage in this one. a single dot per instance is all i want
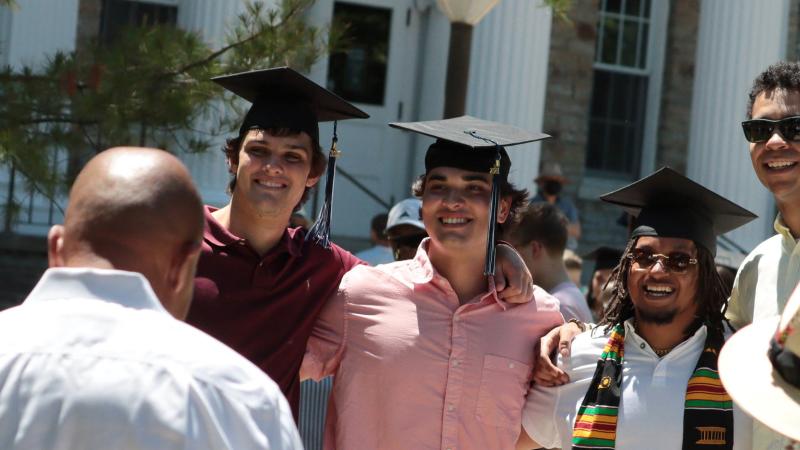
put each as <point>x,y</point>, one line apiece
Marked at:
<point>560,8</point>
<point>150,86</point>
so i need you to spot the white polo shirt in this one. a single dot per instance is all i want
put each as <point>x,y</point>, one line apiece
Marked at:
<point>653,391</point>
<point>91,360</point>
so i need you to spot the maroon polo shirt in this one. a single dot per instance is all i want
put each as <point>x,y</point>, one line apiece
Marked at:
<point>264,307</point>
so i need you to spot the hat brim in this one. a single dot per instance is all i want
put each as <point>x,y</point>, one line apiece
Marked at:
<point>748,376</point>
<point>406,221</point>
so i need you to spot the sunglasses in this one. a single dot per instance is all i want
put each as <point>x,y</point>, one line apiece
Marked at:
<point>408,241</point>
<point>676,262</point>
<point>760,130</point>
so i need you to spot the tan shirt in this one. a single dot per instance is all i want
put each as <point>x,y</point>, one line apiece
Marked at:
<point>763,284</point>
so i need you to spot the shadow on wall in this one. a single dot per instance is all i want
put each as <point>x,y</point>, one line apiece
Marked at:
<point>23,259</point>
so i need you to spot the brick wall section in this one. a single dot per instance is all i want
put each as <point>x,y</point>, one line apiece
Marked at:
<point>23,259</point>
<point>793,35</point>
<point>569,90</point>
<point>678,83</point>
<point>89,12</point>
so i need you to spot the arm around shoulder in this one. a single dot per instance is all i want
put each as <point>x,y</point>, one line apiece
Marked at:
<point>327,341</point>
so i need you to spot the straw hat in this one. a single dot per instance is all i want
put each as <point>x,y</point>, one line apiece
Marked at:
<point>551,171</point>
<point>760,368</point>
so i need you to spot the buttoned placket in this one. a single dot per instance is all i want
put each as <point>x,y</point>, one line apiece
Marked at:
<point>257,270</point>
<point>455,375</point>
<point>793,266</point>
<point>661,366</point>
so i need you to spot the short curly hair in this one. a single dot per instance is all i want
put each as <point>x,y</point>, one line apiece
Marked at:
<point>544,223</point>
<point>782,75</point>
<point>519,199</point>
<point>234,145</point>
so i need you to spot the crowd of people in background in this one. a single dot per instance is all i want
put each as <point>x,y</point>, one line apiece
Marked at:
<point>472,321</point>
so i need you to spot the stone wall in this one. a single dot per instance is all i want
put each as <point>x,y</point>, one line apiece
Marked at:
<point>678,82</point>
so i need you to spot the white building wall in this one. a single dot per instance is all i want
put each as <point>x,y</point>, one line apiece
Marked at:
<point>212,19</point>
<point>30,34</point>
<point>508,76</point>
<point>37,29</point>
<point>737,40</point>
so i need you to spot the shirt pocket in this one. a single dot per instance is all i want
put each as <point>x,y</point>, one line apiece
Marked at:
<point>504,383</point>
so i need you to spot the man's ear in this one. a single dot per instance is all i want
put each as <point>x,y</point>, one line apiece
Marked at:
<point>535,248</point>
<point>55,246</point>
<point>233,166</point>
<point>504,209</point>
<point>180,278</point>
<point>311,181</point>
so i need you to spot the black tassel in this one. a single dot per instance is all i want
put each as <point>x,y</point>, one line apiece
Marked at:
<point>490,241</point>
<point>320,233</point>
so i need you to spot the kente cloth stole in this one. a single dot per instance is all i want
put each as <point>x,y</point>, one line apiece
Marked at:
<point>708,409</point>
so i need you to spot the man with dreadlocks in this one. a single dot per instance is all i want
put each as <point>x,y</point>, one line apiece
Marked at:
<point>646,377</point>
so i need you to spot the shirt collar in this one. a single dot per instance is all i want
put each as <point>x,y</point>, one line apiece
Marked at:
<point>129,289</point>
<point>423,272</point>
<point>784,231</point>
<point>219,236</point>
<point>637,340</point>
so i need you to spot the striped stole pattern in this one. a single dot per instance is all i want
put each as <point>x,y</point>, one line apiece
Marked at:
<point>596,422</point>
<point>708,409</point>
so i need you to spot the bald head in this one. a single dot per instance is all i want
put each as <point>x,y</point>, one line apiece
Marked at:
<point>132,209</point>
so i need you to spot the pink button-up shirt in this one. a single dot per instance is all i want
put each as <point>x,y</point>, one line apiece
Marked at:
<point>417,370</point>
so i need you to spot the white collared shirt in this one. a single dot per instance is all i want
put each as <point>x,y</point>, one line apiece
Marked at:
<point>91,360</point>
<point>653,391</point>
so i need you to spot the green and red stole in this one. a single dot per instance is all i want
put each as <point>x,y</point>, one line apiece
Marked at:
<point>708,409</point>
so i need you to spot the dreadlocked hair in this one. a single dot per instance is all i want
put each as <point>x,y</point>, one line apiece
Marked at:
<point>711,295</point>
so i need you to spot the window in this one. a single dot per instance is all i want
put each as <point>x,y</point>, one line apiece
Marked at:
<point>358,73</point>
<point>118,14</point>
<point>621,88</point>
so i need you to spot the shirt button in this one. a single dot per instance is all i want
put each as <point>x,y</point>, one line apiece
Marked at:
<point>455,363</point>
<point>641,345</point>
<point>510,365</point>
<point>450,407</point>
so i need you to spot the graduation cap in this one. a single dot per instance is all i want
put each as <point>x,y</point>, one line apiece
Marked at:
<point>476,145</point>
<point>669,204</point>
<point>283,98</point>
<point>604,257</point>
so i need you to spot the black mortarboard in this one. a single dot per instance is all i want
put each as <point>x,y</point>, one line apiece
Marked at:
<point>605,257</point>
<point>669,204</point>
<point>283,98</point>
<point>476,145</point>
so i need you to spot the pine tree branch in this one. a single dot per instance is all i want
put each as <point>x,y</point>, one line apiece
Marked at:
<point>216,54</point>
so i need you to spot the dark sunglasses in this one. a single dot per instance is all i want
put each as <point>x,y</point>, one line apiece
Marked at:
<point>408,241</point>
<point>676,262</point>
<point>760,130</point>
